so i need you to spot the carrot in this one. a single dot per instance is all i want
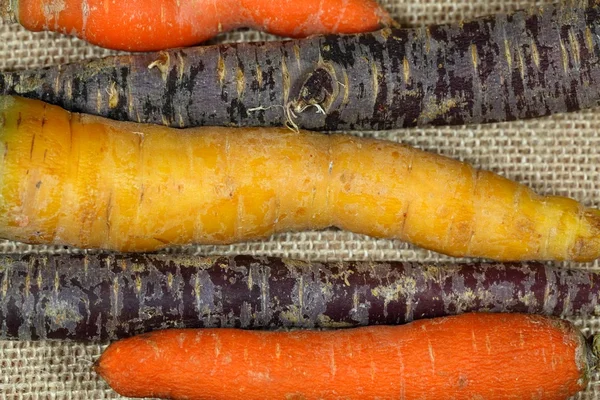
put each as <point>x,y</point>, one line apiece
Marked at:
<point>107,297</point>
<point>472,356</point>
<point>89,182</point>
<point>144,25</point>
<point>498,68</point>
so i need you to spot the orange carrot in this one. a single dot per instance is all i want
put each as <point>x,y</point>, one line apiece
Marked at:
<point>141,25</point>
<point>472,356</point>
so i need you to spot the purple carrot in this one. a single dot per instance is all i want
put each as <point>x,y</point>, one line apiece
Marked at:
<point>106,297</point>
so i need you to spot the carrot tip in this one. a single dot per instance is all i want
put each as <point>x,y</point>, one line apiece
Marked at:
<point>8,11</point>
<point>96,366</point>
<point>385,18</point>
<point>596,348</point>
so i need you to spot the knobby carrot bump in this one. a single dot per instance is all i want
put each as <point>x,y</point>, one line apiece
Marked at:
<point>144,25</point>
<point>472,356</point>
<point>497,68</point>
<point>95,183</point>
<point>103,297</point>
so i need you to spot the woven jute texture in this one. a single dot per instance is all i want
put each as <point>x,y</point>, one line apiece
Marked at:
<point>556,155</point>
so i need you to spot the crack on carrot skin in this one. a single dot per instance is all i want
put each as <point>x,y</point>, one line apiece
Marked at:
<point>434,109</point>
<point>565,57</point>
<point>162,63</point>
<point>375,75</point>
<point>99,101</point>
<point>5,285</point>
<point>221,70</point>
<point>58,81</point>
<point>578,245</point>
<point>240,81</point>
<point>296,49</point>
<point>259,75</point>
<point>535,54</point>
<point>575,48</point>
<point>113,95</point>
<point>286,82</point>
<point>406,71</point>
<point>319,89</point>
<point>589,41</point>
<point>474,57</point>
<point>85,14</point>
<point>107,217</point>
<point>31,146</point>
<point>507,54</point>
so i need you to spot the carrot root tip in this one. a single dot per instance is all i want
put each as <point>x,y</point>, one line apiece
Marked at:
<point>8,11</point>
<point>385,19</point>
<point>596,351</point>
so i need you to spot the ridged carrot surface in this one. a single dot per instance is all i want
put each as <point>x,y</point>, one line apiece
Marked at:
<point>63,296</point>
<point>142,25</point>
<point>94,183</point>
<point>500,67</point>
<point>472,356</point>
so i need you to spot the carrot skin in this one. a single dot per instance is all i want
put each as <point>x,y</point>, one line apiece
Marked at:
<point>488,356</point>
<point>498,68</point>
<point>88,182</point>
<point>146,25</point>
<point>107,297</point>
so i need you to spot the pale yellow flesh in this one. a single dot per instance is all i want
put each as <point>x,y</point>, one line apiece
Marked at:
<point>93,183</point>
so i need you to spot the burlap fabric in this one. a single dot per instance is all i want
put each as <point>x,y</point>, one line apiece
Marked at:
<point>557,155</point>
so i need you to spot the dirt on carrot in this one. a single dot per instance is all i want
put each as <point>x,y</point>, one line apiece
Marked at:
<point>144,25</point>
<point>472,356</point>
<point>89,182</point>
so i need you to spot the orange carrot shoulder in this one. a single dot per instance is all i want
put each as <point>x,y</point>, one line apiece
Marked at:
<point>143,25</point>
<point>472,356</point>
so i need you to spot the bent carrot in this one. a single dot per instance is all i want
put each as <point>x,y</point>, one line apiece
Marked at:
<point>472,356</point>
<point>143,25</point>
<point>95,183</point>
<point>99,297</point>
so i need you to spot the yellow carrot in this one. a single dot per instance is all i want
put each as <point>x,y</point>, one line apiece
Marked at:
<point>93,183</point>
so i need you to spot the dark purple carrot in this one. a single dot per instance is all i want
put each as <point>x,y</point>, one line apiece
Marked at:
<point>504,67</point>
<point>105,297</point>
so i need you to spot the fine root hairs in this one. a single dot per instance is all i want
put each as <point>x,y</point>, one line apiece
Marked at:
<point>289,122</point>
<point>291,110</point>
<point>262,108</point>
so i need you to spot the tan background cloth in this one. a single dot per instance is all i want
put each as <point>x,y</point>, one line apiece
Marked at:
<point>557,155</point>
